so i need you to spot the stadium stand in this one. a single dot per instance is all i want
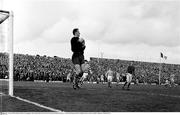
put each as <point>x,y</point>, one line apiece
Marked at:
<point>45,68</point>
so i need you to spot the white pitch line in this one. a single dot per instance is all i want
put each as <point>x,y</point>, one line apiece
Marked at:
<point>37,104</point>
<point>165,95</point>
<point>176,96</point>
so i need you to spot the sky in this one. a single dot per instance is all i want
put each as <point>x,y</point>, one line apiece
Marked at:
<point>118,29</point>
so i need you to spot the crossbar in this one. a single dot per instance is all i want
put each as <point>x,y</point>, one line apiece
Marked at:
<point>3,11</point>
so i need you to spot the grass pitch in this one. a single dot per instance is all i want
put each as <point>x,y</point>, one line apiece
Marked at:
<point>91,98</point>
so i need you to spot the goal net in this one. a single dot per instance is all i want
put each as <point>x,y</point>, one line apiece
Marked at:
<point>6,52</point>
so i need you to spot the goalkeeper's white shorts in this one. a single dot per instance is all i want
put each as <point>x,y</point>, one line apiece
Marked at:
<point>128,77</point>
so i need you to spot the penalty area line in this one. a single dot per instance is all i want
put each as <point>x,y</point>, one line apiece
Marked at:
<point>156,94</point>
<point>37,104</point>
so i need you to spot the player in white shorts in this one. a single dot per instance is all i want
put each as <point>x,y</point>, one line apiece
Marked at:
<point>167,83</point>
<point>102,78</point>
<point>109,76</point>
<point>86,69</point>
<point>172,80</point>
<point>68,78</point>
<point>129,75</point>
<point>117,77</point>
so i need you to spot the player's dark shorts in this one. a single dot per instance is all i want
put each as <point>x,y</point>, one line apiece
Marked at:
<point>78,58</point>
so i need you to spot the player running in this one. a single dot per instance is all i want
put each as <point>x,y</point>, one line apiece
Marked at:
<point>68,78</point>
<point>167,83</point>
<point>172,80</point>
<point>118,77</point>
<point>129,75</point>
<point>86,70</point>
<point>109,75</point>
<point>102,79</point>
<point>77,47</point>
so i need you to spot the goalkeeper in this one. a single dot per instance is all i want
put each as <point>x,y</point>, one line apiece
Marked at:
<point>77,47</point>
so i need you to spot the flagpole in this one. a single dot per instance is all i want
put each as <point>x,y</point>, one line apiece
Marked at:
<point>160,71</point>
<point>160,65</point>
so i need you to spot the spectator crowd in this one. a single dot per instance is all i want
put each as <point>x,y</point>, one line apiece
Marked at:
<point>36,67</point>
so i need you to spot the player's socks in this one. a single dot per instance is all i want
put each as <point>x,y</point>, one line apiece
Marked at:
<point>79,76</point>
<point>128,86</point>
<point>75,82</point>
<point>77,86</point>
<point>125,84</point>
<point>109,84</point>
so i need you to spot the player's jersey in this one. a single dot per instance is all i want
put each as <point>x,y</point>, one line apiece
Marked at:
<point>166,82</point>
<point>172,79</point>
<point>102,77</point>
<point>117,76</point>
<point>109,73</point>
<point>77,46</point>
<point>68,76</point>
<point>131,69</point>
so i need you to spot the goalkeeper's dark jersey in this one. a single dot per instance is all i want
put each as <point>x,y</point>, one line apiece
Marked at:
<point>76,46</point>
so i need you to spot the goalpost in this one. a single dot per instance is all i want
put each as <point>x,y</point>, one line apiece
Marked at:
<point>7,17</point>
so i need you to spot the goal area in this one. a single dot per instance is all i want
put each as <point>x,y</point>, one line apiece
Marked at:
<point>6,52</point>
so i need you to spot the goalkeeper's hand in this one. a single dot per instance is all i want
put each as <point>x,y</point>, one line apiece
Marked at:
<point>82,41</point>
